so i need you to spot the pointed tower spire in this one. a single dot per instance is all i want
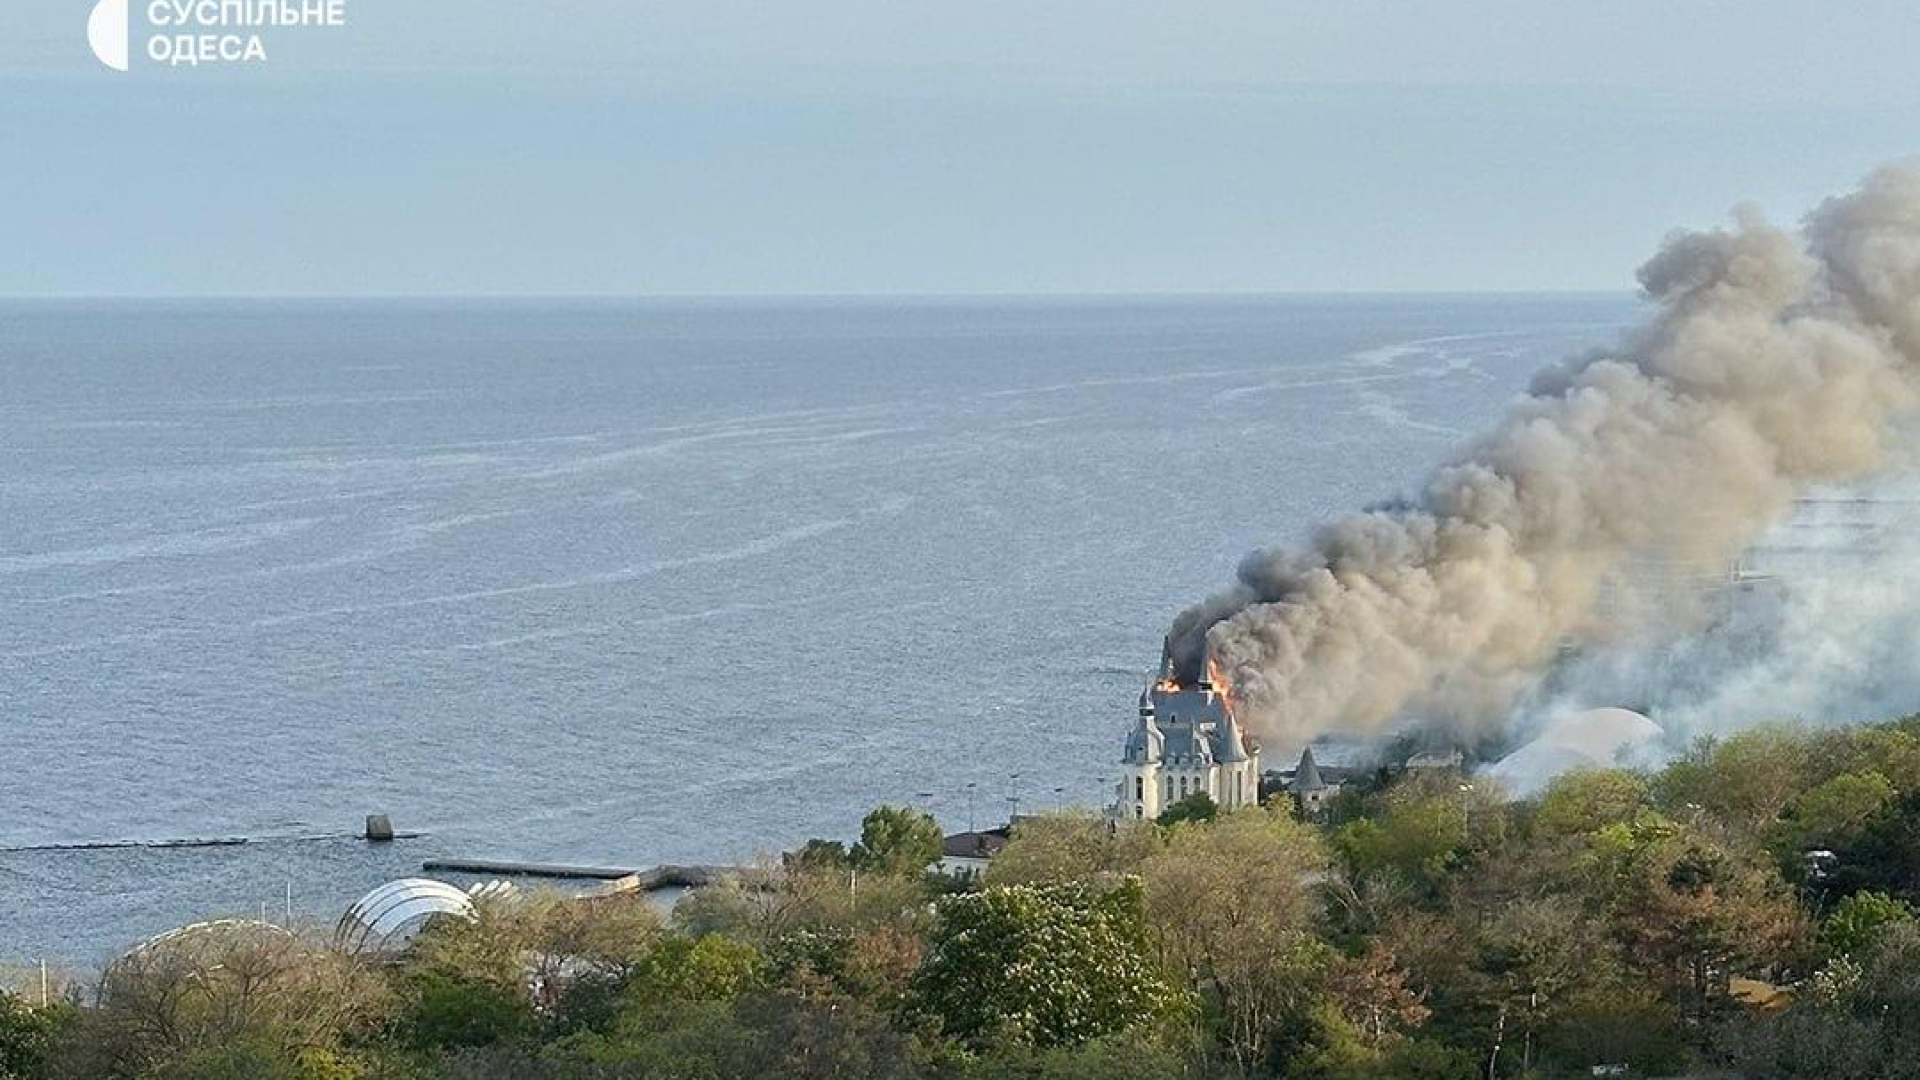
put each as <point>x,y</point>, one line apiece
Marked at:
<point>1146,745</point>
<point>1306,777</point>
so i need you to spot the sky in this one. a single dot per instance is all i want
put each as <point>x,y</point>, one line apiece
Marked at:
<point>640,147</point>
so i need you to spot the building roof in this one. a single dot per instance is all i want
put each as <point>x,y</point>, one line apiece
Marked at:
<point>974,845</point>
<point>1436,759</point>
<point>1146,743</point>
<point>1190,743</point>
<point>1188,703</point>
<point>1185,725</point>
<point>1232,744</point>
<point>1306,776</point>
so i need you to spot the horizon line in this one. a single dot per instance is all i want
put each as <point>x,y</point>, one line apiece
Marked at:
<point>1090,294</point>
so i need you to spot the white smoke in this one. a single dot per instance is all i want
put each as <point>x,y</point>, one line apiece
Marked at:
<point>1843,650</point>
<point>1578,739</point>
<point>1775,362</point>
<point>1821,630</point>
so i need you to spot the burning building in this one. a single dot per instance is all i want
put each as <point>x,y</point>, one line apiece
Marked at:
<point>1186,742</point>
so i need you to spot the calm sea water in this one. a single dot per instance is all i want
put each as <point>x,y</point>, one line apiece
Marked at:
<point>638,582</point>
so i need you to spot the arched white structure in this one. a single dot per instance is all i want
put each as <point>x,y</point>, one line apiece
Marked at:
<point>183,935</point>
<point>1591,737</point>
<point>388,917</point>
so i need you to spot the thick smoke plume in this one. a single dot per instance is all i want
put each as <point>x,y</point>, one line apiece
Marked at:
<point>1775,361</point>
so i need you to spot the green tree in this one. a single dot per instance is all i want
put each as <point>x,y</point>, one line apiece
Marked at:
<point>1743,780</point>
<point>1048,965</point>
<point>578,955</point>
<point>764,905</point>
<point>1856,921</point>
<point>1113,1057</point>
<point>444,1011</point>
<point>870,965</point>
<point>817,854</point>
<point>1891,750</point>
<point>1198,806</point>
<point>1831,814</point>
<point>255,1060</point>
<point>1691,914</point>
<point>1886,854</point>
<point>226,984</point>
<point>1070,846</point>
<point>465,984</point>
<point>1235,905</point>
<point>1585,800</point>
<point>705,968</point>
<point>813,1039</point>
<point>27,1036</point>
<point>1615,1021</point>
<point>1854,1019</point>
<point>1534,957</point>
<point>676,1017</point>
<point>1416,839</point>
<point>1425,1059</point>
<point>1330,1049</point>
<point>897,840</point>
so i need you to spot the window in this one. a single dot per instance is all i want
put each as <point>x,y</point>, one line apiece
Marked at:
<point>1139,789</point>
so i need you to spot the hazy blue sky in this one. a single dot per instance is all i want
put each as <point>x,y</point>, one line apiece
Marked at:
<point>738,146</point>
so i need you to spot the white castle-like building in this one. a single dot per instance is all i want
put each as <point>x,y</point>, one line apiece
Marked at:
<point>1186,741</point>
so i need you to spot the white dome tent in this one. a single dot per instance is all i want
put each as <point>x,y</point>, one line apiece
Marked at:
<point>388,918</point>
<point>1571,740</point>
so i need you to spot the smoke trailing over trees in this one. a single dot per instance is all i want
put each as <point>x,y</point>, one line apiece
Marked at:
<point>1775,361</point>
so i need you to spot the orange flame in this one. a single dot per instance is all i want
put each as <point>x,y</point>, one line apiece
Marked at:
<point>1213,674</point>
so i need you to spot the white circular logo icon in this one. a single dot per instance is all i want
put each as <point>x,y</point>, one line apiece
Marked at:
<point>107,33</point>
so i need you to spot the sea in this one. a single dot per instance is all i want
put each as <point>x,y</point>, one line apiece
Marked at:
<point>635,582</point>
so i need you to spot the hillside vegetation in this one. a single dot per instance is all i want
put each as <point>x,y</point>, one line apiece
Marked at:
<point>1749,908</point>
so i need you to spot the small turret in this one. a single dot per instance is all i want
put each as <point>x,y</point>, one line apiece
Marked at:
<point>1233,744</point>
<point>1306,778</point>
<point>1146,745</point>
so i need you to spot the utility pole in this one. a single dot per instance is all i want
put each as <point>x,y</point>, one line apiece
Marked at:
<point>970,791</point>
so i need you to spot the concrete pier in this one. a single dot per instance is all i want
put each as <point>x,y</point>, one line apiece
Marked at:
<point>658,877</point>
<point>514,868</point>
